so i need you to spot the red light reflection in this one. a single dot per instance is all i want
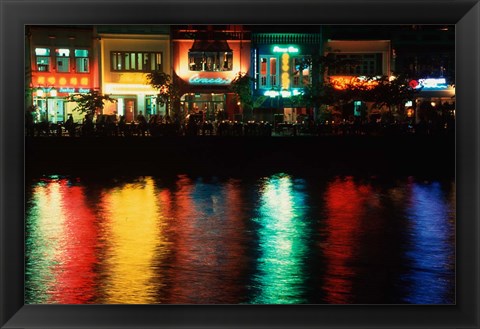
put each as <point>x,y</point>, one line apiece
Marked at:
<point>344,203</point>
<point>75,276</point>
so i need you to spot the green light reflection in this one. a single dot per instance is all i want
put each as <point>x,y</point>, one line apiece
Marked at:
<point>43,242</point>
<point>282,231</point>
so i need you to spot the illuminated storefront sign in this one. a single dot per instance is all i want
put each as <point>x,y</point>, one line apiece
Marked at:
<point>283,93</point>
<point>120,88</point>
<point>63,81</point>
<point>432,84</point>
<point>198,80</point>
<point>74,90</point>
<point>290,49</point>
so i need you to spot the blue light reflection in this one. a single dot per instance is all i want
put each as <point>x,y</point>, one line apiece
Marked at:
<point>431,230</point>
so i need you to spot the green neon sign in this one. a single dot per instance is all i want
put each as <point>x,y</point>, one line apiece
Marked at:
<point>285,49</point>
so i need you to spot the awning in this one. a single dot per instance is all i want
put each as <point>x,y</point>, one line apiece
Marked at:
<point>447,93</point>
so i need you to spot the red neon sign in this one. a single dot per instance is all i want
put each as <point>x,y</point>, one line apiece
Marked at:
<point>62,80</point>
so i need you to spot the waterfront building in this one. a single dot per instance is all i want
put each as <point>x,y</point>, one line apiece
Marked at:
<point>206,59</point>
<point>127,54</point>
<point>363,61</point>
<point>282,70</point>
<point>60,61</point>
<point>423,53</point>
<point>427,54</point>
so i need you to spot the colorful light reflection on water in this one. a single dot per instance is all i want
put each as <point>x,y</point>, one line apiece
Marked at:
<point>265,240</point>
<point>282,243</point>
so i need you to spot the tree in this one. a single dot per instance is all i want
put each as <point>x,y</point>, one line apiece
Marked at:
<point>392,93</point>
<point>325,94</point>
<point>241,85</point>
<point>90,102</point>
<point>320,92</point>
<point>169,91</point>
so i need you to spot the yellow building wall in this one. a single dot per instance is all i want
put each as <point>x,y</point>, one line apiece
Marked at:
<point>131,84</point>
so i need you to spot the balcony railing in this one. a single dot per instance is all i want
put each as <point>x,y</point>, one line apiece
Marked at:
<point>285,38</point>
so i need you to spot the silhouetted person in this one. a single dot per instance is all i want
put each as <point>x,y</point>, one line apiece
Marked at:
<point>142,123</point>
<point>88,127</point>
<point>70,126</point>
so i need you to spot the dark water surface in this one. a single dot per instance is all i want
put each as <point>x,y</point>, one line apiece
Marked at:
<point>273,239</point>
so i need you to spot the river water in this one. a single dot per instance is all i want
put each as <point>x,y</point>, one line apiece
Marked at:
<point>273,239</point>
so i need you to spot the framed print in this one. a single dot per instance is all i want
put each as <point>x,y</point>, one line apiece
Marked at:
<point>239,164</point>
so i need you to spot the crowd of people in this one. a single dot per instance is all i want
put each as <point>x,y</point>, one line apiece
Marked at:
<point>196,125</point>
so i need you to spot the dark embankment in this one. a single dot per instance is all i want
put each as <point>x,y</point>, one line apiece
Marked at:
<point>392,155</point>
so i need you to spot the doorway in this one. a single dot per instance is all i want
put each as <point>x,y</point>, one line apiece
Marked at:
<point>130,109</point>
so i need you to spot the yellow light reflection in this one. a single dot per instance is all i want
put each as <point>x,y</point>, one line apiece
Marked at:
<point>133,236</point>
<point>282,229</point>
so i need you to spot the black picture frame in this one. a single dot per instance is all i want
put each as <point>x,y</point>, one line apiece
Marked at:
<point>15,14</point>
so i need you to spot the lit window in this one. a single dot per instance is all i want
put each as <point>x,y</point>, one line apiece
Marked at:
<point>268,72</point>
<point>82,61</point>
<point>63,60</point>
<point>263,71</point>
<point>127,61</point>
<point>42,59</point>
<point>354,64</point>
<point>273,71</point>
<point>136,61</point>
<point>210,61</point>
<point>158,61</point>
<point>296,71</point>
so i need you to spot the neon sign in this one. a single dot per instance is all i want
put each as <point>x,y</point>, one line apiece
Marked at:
<point>440,83</point>
<point>67,90</point>
<point>290,49</point>
<point>74,90</point>
<point>67,80</point>
<point>120,88</point>
<point>414,84</point>
<point>197,80</point>
<point>283,93</point>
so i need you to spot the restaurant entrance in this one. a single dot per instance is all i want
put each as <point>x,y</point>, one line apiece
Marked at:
<point>211,106</point>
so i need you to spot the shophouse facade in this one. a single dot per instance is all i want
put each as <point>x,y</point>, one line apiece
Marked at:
<point>127,54</point>
<point>206,59</point>
<point>282,69</point>
<point>427,55</point>
<point>368,59</point>
<point>60,61</point>
<point>423,53</point>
